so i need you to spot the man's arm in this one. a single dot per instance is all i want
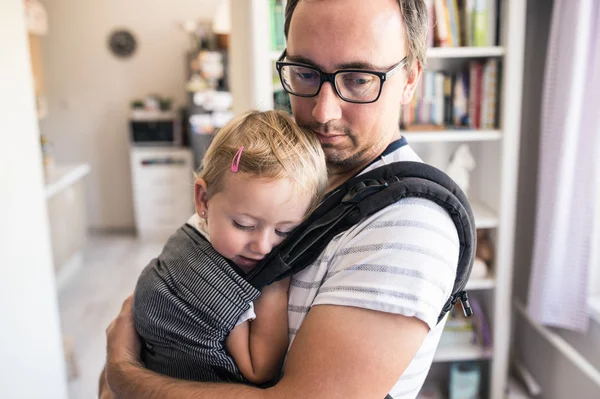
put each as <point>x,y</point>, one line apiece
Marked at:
<point>104,391</point>
<point>339,352</point>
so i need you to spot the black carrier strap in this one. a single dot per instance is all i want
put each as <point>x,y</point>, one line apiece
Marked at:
<point>362,196</point>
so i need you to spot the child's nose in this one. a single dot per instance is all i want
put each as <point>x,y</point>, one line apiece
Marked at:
<point>261,244</point>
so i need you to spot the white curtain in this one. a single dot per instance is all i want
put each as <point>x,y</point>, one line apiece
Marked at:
<point>569,156</point>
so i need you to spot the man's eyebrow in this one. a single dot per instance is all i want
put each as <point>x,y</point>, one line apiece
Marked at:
<point>359,65</point>
<point>348,65</point>
<point>301,60</point>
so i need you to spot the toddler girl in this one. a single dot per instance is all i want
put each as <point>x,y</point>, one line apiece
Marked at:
<point>199,319</point>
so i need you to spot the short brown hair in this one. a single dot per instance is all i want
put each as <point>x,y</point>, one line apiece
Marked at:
<point>414,14</point>
<point>275,147</point>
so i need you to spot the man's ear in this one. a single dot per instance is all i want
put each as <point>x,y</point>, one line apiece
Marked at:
<point>201,197</point>
<point>411,83</point>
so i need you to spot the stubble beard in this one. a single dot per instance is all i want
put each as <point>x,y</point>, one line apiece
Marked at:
<point>346,158</point>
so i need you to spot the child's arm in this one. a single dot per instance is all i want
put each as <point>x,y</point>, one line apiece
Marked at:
<point>259,346</point>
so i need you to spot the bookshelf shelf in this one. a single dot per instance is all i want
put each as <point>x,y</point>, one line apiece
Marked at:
<point>442,52</point>
<point>433,136</point>
<point>465,52</point>
<point>481,284</point>
<point>485,218</point>
<point>463,352</point>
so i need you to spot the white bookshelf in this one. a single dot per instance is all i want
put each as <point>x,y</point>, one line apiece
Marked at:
<point>494,193</point>
<point>494,181</point>
<point>451,135</point>
<point>481,284</point>
<point>464,52</point>
<point>461,353</point>
<point>485,218</point>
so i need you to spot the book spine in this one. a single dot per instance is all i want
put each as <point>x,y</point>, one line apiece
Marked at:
<point>448,85</point>
<point>480,23</point>
<point>478,96</point>
<point>431,17</point>
<point>279,21</point>
<point>492,21</point>
<point>441,24</point>
<point>456,19</point>
<point>439,95</point>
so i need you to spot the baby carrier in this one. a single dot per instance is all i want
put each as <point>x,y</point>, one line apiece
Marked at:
<point>361,197</point>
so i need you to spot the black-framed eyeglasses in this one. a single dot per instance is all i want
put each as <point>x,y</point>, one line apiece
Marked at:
<point>352,85</point>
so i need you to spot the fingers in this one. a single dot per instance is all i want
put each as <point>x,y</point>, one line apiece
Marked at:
<point>126,311</point>
<point>128,304</point>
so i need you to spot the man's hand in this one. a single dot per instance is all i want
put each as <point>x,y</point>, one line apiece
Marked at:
<point>104,391</point>
<point>122,344</point>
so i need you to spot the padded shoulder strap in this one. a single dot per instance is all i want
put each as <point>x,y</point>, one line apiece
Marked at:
<point>362,196</point>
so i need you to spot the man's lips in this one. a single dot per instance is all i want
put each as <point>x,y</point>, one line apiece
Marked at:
<point>328,138</point>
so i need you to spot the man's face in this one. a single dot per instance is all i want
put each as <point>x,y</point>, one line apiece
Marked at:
<point>340,34</point>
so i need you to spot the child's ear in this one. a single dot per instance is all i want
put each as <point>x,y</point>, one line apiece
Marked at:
<point>411,83</point>
<point>201,197</point>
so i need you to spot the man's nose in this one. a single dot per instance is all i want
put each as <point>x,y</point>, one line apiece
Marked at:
<point>327,106</point>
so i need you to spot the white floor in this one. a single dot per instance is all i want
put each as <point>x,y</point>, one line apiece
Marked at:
<point>93,297</point>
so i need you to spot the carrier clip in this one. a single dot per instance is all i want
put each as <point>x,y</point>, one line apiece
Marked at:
<point>363,189</point>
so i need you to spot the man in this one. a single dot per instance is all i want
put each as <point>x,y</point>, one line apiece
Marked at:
<point>376,291</point>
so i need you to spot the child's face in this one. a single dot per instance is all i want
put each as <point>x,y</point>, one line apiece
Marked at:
<point>250,216</point>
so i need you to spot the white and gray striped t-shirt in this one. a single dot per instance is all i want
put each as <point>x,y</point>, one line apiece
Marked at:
<point>400,260</point>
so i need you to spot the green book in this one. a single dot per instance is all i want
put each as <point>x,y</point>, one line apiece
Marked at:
<point>480,23</point>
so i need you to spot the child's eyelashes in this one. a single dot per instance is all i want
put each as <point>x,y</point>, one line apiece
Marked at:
<point>242,227</point>
<point>283,233</point>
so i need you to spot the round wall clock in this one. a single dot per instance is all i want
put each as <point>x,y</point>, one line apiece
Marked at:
<point>122,43</point>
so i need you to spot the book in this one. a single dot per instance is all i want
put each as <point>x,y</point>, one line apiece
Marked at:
<point>441,24</point>
<point>431,16</point>
<point>475,77</point>
<point>490,94</point>
<point>492,11</point>
<point>276,11</point>
<point>463,99</point>
<point>480,23</point>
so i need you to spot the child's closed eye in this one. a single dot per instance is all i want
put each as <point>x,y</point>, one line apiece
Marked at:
<point>242,226</point>
<point>283,233</point>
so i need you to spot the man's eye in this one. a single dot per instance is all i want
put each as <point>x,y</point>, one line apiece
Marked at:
<point>242,227</point>
<point>305,76</point>
<point>358,81</point>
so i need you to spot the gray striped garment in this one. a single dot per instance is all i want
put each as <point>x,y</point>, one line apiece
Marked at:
<point>185,304</point>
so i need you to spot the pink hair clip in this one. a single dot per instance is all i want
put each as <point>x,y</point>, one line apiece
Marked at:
<point>235,163</point>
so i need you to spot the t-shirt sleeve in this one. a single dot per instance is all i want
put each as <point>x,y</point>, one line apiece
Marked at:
<point>401,260</point>
<point>247,315</point>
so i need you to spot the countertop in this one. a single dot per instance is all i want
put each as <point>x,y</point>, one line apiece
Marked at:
<point>63,176</point>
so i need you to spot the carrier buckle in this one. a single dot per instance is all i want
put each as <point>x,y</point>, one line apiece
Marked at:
<point>363,189</point>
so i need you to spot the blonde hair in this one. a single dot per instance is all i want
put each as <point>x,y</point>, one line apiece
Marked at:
<point>274,148</point>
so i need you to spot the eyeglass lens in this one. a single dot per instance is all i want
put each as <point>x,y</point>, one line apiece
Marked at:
<point>353,86</point>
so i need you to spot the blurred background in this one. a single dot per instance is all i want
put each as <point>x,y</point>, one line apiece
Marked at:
<point>106,109</point>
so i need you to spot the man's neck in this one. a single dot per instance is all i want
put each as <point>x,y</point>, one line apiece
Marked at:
<point>338,177</point>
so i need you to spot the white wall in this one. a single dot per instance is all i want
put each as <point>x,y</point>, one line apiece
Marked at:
<point>89,90</point>
<point>31,360</point>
